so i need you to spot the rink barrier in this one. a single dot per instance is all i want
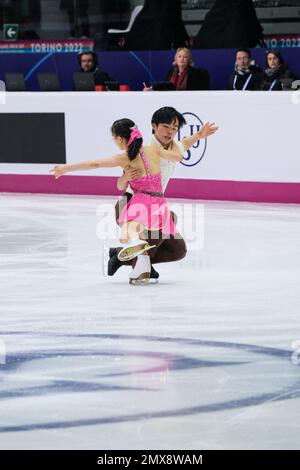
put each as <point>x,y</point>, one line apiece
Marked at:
<point>250,191</point>
<point>253,156</point>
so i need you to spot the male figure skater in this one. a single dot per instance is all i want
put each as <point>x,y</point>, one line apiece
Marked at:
<point>165,124</point>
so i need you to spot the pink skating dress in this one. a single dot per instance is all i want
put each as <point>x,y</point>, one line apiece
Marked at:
<point>148,205</point>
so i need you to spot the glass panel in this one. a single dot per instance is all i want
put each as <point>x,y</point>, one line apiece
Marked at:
<point>61,19</point>
<point>277,17</point>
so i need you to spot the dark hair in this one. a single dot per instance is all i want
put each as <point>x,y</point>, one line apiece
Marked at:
<point>277,54</point>
<point>167,115</point>
<point>123,128</point>
<point>92,53</point>
<point>242,49</point>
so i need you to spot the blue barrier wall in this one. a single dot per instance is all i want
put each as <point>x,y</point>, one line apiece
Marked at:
<point>133,68</point>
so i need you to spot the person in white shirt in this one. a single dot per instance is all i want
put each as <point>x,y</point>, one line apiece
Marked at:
<point>165,124</point>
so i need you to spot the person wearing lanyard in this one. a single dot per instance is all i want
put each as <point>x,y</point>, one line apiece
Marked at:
<point>246,75</point>
<point>276,70</point>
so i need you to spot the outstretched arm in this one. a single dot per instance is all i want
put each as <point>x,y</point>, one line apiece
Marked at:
<point>176,153</point>
<point>111,162</point>
<point>206,130</point>
<point>173,154</point>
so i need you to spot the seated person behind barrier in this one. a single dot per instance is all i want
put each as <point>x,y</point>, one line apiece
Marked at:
<point>183,75</point>
<point>88,62</point>
<point>246,75</point>
<point>277,73</point>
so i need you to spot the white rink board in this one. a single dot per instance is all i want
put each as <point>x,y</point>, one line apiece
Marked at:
<point>258,138</point>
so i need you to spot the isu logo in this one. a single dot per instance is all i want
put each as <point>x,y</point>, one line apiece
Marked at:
<point>195,154</point>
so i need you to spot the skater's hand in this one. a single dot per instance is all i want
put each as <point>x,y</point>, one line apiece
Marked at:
<point>146,88</point>
<point>209,128</point>
<point>132,173</point>
<point>58,170</point>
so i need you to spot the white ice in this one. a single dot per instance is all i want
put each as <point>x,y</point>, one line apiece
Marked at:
<point>205,359</point>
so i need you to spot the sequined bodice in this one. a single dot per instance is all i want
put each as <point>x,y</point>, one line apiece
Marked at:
<point>148,182</point>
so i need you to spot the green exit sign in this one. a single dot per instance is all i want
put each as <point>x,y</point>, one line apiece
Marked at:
<point>10,32</point>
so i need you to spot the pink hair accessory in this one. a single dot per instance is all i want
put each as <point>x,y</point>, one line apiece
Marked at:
<point>134,134</point>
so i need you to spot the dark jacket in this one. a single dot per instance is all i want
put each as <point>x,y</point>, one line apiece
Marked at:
<point>238,82</point>
<point>230,24</point>
<point>276,81</point>
<point>158,26</point>
<point>99,76</point>
<point>197,79</point>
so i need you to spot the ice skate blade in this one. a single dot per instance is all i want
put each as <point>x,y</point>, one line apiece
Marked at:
<point>141,280</point>
<point>126,254</point>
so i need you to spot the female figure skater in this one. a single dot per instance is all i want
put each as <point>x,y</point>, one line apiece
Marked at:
<point>147,209</point>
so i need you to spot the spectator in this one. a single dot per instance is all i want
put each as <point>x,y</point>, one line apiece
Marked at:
<point>158,26</point>
<point>88,62</point>
<point>230,24</point>
<point>275,72</point>
<point>184,75</point>
<point>246,75</point>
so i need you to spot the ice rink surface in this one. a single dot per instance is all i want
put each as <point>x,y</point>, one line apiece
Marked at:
<point>206,359</point>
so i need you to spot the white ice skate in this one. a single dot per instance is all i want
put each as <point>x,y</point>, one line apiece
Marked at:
<point>140,274</point>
